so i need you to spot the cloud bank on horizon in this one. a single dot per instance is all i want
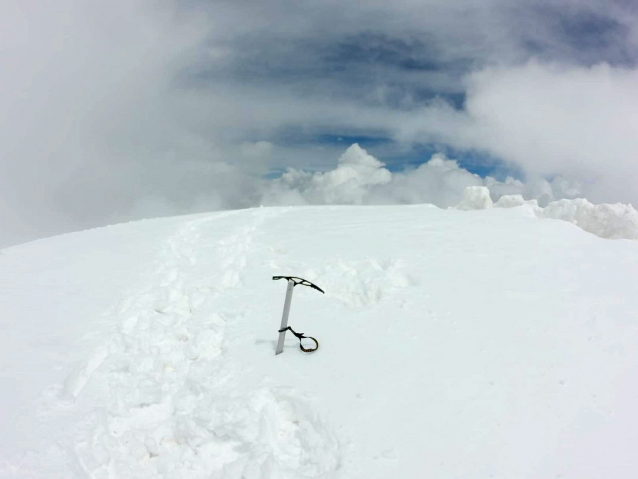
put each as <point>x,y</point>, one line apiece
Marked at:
<point>130,109</point>
<point>361,179</point>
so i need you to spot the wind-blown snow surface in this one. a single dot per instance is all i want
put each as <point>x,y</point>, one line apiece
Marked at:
<point>454,343</point>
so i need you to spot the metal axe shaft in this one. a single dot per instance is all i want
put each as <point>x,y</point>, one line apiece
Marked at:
<point>284,318</point>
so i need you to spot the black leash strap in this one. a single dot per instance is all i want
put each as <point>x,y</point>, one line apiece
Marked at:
<point>301,336</point>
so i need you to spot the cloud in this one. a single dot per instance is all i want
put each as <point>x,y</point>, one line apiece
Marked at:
<point>578,122</point>
<point>359,178</point>
<point>84,89</point>
<point>115,111</point>
<point>350,183</point>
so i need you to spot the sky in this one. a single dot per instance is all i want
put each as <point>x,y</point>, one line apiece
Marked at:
<point>122,110</point>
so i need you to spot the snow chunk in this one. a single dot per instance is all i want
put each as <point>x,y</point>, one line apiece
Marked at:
<point>528,208</point>
<point>509,201</point>
<point>475,198</point>
<point>614,221</point>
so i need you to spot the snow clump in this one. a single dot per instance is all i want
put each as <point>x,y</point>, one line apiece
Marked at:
<point>509,201</point>
<point>613,221</point>
<point>475,198</point>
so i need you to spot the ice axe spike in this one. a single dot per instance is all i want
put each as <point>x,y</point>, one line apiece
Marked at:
<point>292,282</point>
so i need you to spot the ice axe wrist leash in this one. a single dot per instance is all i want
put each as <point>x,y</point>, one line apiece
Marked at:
<point>301,336</point>
<point>292,282</point>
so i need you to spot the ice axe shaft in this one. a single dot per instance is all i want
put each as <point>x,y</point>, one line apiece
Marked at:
<point>284,317</point>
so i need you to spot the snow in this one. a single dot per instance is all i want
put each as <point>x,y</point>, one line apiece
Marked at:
<point>475,198</point>
<point>509,201</point>
<point>612,221</point>
<point>486,343</point>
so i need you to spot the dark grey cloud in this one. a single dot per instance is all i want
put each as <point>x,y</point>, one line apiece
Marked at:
<point>581,33</point>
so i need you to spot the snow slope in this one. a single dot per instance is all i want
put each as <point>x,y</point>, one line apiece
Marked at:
<point>453,344</point>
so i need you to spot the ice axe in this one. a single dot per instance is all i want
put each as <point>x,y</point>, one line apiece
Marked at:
<point>292,282</point>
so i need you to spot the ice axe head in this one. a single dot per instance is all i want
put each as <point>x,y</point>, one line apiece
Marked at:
<point>295,280</point>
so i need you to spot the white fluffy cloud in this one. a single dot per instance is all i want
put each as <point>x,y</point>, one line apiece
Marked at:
<point>359,178</point>
<point>575,125</point>
<point>356,175</point>
<point>579,122</point>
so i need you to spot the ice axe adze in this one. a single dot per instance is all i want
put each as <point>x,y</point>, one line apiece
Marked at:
<point>292,282</point>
